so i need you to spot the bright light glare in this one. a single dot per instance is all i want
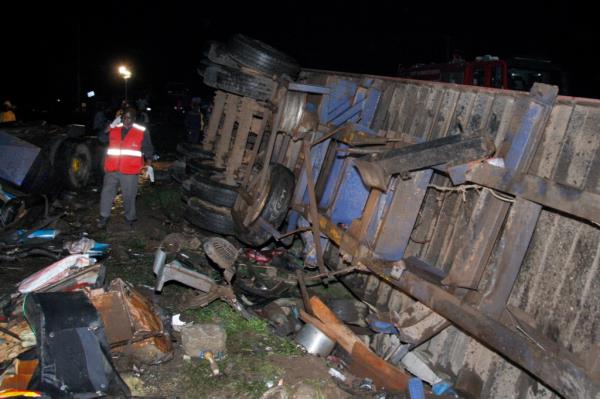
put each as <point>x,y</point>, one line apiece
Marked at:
<point>124,71</point>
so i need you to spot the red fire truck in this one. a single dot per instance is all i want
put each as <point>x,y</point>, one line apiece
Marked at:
<point>488,71</point>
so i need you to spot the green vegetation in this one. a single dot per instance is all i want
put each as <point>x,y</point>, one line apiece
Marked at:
<point>247,366</point>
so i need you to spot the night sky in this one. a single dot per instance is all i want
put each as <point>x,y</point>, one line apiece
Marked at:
<point>44,47</point>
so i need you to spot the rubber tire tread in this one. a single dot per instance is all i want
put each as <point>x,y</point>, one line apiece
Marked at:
<point>191,153</point>
<point>214,192</point>
<point>238,82</point>
<point>63,164</point>
<point>216,220</point>
<point>258,55</point>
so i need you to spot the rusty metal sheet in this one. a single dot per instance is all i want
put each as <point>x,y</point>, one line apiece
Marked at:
<point>131,325</point>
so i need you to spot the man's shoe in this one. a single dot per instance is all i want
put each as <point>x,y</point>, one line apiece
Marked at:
<point>102,223</point>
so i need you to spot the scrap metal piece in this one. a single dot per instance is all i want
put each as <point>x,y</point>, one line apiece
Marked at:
<point>131,323</point>
<point>54,273</point>
<point>223,253</point>
<point>175,271</point>
<point>454,150</point>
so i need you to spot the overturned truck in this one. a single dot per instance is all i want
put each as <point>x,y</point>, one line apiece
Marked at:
<point>467,216</point>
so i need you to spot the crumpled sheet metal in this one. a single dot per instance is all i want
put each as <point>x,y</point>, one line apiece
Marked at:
<point>131,324</point>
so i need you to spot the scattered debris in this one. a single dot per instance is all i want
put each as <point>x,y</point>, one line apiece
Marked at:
<point>204,341</point>
<point>314,340</point>
<point>132,325</point>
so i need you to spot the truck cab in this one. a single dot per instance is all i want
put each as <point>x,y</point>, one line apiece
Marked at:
<point>489,71</point>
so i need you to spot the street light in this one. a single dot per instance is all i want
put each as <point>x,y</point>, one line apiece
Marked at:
<point>126,74</point>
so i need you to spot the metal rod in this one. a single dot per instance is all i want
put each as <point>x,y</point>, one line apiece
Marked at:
<point>313,210</point>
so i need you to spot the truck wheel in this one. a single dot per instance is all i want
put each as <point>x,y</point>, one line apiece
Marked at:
<point>281,189</point>
<point>237,82</point>
<point>257,55</point>
<point>209,217</point>
<point>204,187</point>
<point>196,165</point>
<point>191,151</point>
<point>74,163</point>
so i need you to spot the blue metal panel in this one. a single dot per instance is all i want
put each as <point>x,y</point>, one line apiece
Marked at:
<point>351,198</point>
<point>338,100</point>
<point>308,88</point>
<point>370,106</point>
<point>292,221</point>
<point>16,158</point>
<point>332,179</point>
<point>350,114</point>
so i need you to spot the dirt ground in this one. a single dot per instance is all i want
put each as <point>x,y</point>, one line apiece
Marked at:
<point>257,360</point>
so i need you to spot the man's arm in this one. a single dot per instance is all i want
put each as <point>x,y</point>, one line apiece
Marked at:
<point>103,134</point>
<point>147,147</point>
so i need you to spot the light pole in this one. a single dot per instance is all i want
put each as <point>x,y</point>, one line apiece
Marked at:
<point>126,74</point>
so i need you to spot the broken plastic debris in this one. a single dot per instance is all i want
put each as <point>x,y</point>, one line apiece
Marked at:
<point>499,162</point>
<point>176,321</point>
<point>337,374</point>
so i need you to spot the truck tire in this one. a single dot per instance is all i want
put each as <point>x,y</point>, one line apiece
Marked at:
<point>209,217</point>
<point>196,165</point>
<point>207,189</point>
<point>237,82</point>
<point>74,164</point>
<point>257,55</point>
<point>281,189</point>
<point>192,151</point>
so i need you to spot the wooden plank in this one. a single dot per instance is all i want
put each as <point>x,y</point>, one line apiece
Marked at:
<point>224,138</point>
<point>241,138</point>
<point>253,154</point>
<point>214,121</point>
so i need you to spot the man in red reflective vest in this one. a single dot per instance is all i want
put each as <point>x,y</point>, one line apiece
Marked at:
<point>128,144</point>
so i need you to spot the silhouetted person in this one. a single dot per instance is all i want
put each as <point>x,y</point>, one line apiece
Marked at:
<point>7,114</point>
<point>194,122</point>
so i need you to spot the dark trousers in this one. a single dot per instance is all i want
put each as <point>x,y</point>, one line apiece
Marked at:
<point>129,186</point>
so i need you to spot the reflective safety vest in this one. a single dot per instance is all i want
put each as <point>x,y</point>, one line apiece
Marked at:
<point>125,155</point>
